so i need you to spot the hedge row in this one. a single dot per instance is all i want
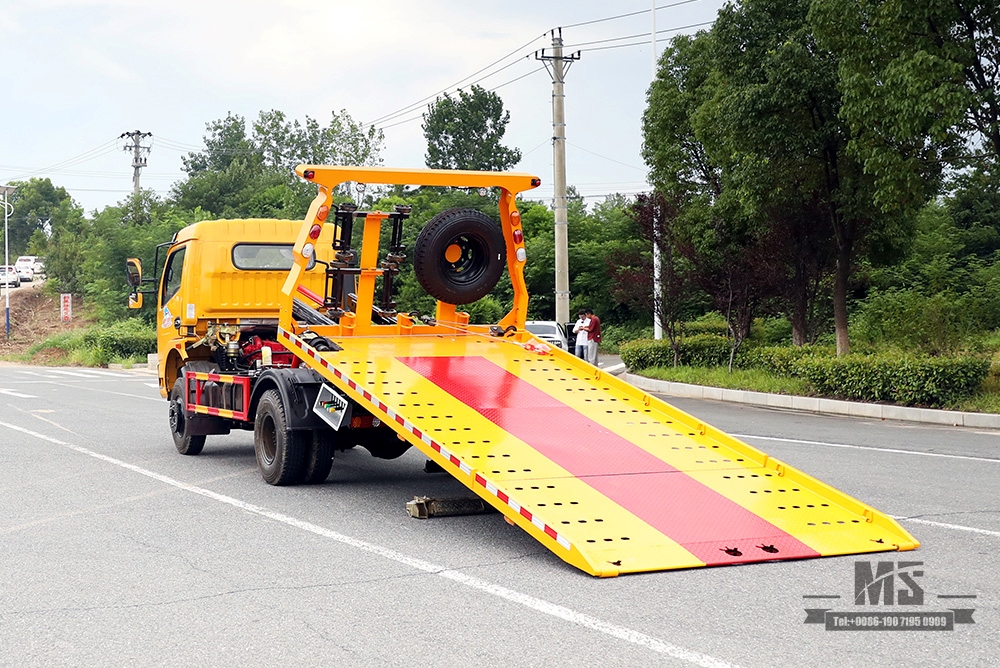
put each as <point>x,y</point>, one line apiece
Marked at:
<point>907,380</point>
<point>697,350</point>
<point>903,379</point>
<point>126,339</point>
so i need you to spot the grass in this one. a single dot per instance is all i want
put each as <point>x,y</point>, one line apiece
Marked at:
<point>987,400</point>
<point>70,349</point>
<point>754,380</point>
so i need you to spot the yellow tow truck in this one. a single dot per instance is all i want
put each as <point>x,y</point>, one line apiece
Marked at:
<point>284,328</point>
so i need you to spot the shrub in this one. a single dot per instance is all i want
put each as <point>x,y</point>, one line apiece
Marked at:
<point>936,323</point>
<point>710,323</point>
<point>613,336</point>
<point>126,339</point>
<point>907,380</point>
<point>698,350</point>
<point>780,360</point>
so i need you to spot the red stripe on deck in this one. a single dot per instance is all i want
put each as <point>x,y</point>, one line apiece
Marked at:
<point>699,518</point>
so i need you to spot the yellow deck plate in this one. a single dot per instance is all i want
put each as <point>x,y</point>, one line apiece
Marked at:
<point>609,478</point>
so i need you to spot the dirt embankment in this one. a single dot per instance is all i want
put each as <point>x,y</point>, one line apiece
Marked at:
<point>34,317</point>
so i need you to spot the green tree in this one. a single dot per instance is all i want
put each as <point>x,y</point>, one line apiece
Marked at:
<point>920,86</point>
<point>241,175</point>
<point>750,126</point>
<point>464,132</point>
<point>35,203</point>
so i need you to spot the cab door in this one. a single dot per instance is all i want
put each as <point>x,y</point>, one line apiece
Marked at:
<point>169,316</point>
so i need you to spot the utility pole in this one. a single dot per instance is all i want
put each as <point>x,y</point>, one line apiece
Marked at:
<point>138,153</point>
<point>657,261</point>
<point>8,209</point>
<point>558,65</point>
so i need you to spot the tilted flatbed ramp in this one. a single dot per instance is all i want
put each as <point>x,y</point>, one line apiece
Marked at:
<point>609,478</point>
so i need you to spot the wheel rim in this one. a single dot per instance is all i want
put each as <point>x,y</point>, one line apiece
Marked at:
<point>176,418</point>
<point>268,440</point>
<point>465,259</point>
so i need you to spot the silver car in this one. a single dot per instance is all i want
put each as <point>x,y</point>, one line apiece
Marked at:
<point>9,277</point>
<point>549,331</point>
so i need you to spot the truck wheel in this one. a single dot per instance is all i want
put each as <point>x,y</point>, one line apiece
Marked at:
<point>319,456</point>
<point>459,256</point>
<point>279,450</point>
<point>185,443</point>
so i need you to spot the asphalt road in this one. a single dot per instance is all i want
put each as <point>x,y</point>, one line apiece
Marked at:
<point>117,551</point>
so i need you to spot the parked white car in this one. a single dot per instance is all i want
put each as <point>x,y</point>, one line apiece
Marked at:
<point>9,277</point>
<point>26,274</point>
<point>549,331</point>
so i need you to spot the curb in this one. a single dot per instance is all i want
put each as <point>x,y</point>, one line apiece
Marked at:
<point>816,404</point>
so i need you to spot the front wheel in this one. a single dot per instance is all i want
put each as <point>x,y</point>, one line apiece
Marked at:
<point>280,451</point>
<point>180,422</point>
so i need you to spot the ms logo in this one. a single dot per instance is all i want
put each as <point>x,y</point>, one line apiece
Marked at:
<point>873,582</point>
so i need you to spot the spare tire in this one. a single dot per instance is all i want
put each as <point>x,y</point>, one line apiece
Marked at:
<point>459,256</point>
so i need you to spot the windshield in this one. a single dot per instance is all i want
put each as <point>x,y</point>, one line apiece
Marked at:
<point>265,256</point>
<point>538,328</point>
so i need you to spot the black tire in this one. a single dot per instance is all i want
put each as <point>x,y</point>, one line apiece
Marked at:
<point>280,452</point>
<point>319,456</point>
<point>459,256</point>
<point>179,418</point>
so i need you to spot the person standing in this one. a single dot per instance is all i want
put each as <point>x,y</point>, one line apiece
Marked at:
<point>581,329</point>
<point>593,336</point>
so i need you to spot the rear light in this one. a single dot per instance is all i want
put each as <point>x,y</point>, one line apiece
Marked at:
<point>307,251</point>
<point>321,215</point>
<point>534,182</point>
<point>309,174</point>
<point>315,230</point>
<point>518,236</point>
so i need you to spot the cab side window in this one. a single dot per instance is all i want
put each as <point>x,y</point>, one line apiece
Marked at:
<point>172,275</point>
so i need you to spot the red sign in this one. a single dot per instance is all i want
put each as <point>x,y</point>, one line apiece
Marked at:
<point>66,310</point>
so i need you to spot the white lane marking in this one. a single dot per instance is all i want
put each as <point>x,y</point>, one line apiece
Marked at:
<point>945,525</point>
<point>155,386</point>
<point>12,393</point>
<point>70,373</point>
<point>106,373</point>
<point>526,600</point>
<point>866,447</point>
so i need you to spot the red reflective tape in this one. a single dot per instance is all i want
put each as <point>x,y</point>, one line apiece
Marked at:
<point>455,460</point>
<point>400,420</point>
<point>481,480</point>
<point>417,433</point>
<point>526,513</point>
<point>677,505</point>
<point>503,497</point>
<point>550,531</point>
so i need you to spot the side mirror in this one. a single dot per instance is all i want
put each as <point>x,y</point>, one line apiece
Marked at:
<point>135,300</point>
<point>133,272</point>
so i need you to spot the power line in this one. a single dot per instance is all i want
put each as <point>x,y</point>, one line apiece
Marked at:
<point>421,115</point>
<point>622,16</point>
<point>647,41</point>
<point>96,152</point>
<point>412,106</point>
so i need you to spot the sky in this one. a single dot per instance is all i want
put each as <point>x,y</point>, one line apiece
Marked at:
<point>76,74</point>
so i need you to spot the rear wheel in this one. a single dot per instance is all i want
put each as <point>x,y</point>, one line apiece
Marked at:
<point>280,451</point>
<point>180,424</point>
<point>319,456</point>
